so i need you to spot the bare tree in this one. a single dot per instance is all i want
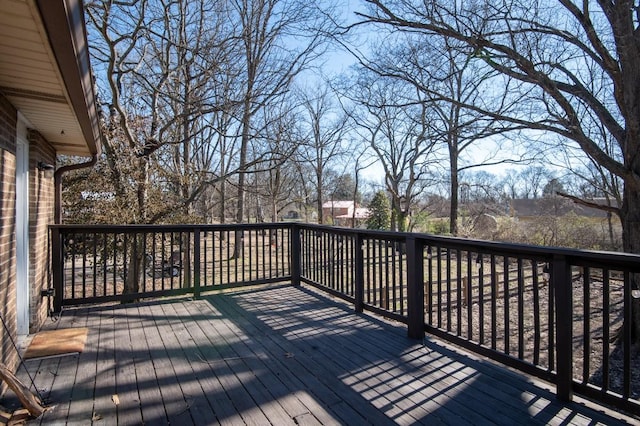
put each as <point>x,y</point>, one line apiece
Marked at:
<point>158,63</point>
<point>532,180</point>
<point>394,119</point>
<point>441,70</point>
<point>578,65</point>
<point>279,136</point>
<point>270,64</point>
<point>322,142</point>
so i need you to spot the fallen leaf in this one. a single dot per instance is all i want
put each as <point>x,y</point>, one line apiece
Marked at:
<point>115,399</point>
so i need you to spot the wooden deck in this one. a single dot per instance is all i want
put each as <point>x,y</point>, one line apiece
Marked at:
<point>278,355</point>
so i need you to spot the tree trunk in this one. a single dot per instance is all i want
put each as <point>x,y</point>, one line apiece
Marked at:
<point>630,215</point>
<point>320,199</point>
<point>453,208</point>
<point>242,168</point>
<point>134,269</point>
<point>394,217</point>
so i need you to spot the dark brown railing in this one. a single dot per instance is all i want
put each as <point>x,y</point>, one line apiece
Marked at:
<point>93,264</point>
<point>561,315</point>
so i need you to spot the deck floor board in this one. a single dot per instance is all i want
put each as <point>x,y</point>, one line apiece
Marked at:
<point>279,355</point>
<point>151,404</point>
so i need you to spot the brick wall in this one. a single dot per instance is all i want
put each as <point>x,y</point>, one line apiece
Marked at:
<point>8,122</point>
<point>41,209</point>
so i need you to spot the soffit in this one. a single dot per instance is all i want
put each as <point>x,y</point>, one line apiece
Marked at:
<point>31,78</point>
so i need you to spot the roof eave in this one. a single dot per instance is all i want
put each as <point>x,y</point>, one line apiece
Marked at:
<point>64,23</point>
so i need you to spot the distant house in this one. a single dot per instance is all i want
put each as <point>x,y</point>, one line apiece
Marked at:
<point>553,206</point>
<point>47,108</point>
<point>344,213</point>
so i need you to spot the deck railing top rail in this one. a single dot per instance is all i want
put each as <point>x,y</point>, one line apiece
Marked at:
<point>627,260</point>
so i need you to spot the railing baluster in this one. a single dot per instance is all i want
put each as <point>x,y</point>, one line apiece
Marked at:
<point>368,277</point>
<point>94,263</point>
<point>341,269</point>
<point>429,283</point>
<point>494,296</point>
<point>250,252</point>
<point>626,335</point>
<point>74,243</point>
<point>586,309</point>
<point>439,284</point>
<point>448,286</point>
<point>480,268</point>
<point>536,313</point>
<point>394,296</point>
<point>295,254</point>
<point>551,320</point>
<point>506,302</point>
<point>401,277</point>
<point>105,256</point>
<point>196,263</point>
<point>359,273</point>
<point>606,315</point>
<point>469,295</point>
<point>561,277</point>
<point>415,288</point>
<point>459,291</point>
<point>83,290</point>
<point>520,277</point>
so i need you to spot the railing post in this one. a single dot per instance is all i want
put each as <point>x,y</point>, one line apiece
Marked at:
<point>57,262</point>
<point>415,288</point>
<point>296,258</point>
<point>359,273</point>
<point>196,263</point>
<point>561,281</point>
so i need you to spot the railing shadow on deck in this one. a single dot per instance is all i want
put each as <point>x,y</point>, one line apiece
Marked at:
<point>371,364</point>
<point>548,312</point>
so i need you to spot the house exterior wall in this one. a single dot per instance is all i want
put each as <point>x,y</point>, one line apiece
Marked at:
<point>41,211</point>
<point>332,209</point>
<point>8,123</point>
<point>332,212</point>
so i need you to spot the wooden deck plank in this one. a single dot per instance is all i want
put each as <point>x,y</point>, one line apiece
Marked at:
<point>242,400</point>
<point>330,391</point>
<point>376,385</point>
<point>286,407</point>
<point>63,385</point>
<point>151,405</point>
<point>353,361</point>
<point>175,405</point>
<point>477,398</point>
<point>81,406</point>
<point>280,355</point>
<point>43,373</point>
<point>234,353</point>
<point>385,375</point>
<point>104,410</point>
<point>283,407</point>
<point>316,350</point>
<point>127,399</point>
<point>220,401</point>
<point>297,404</point>
<point>199,407</point>
<point>447,377</point>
